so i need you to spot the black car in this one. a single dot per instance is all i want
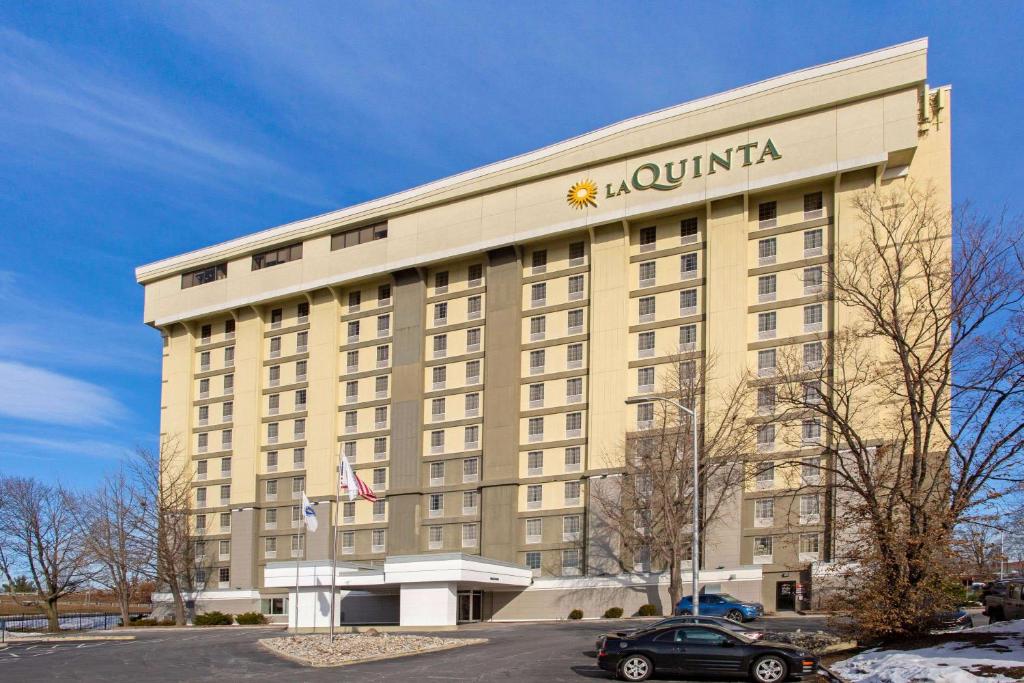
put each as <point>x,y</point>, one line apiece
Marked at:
<point>702,650</point>
<point>721,622</point>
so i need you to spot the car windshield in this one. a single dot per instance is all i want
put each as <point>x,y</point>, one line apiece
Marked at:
<point>727,598</point>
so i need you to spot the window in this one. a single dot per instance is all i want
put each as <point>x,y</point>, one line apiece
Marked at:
<point>380,448</point>
<point>813,318</point>
<point>766,400</point>
<point>383,355</point>
<point>687,302</point>
<point>204,275</point>
<point>766,251</point>
<point>539,260</point>
<point>435,505</point>
<point>300,371</point>
<point>764,512</point>
<point>473,340</point>
<point>224,550</point>
<point>475,275</point>
<point>354,300</point>
<point>437,409</point>
<point>535,429</point>
<point>302,312</point>
<point>576,253</point>
<point>571,562</point>
<point>645,416</point>
<point>645,380</point>
<point>383,325</point>
<point>575,287</point>
<point>202,442</point>
<point>648,238</point>
<point>380,417</point>
<point>469,502</point>
<point>229,328</point>
<point>762,549</point>
<point>299,430</point>
<point>648,273</point>
<point>814,206</point>
<point>435,537</point>
<point>812,393</point>
<point>351,391</point>
<point>766,359</point>
<point>471,437</point>
<point>300,399</point>
<point>380,477</point>
<point>765,474</point>
<point>688,230</point>
<point>274,606</point>
<point>440,346</point>
<point>687,337</point>
<point>377,539</point>
<point>225,467</point>
<point>571,525</point>
<point>225,521</point>
<point>200,522</point>
<point>470,469</point>
<point>533,560</point>
<point>351,421</point>
<point>573,425</point>
<point>275,257</point>
<point>575,321</point>
<point>766,323</point>
<point>810,431</point>
<point>436,473</point>
<point>538,327</point>
<point>813,242</point>
<point>687,265</point>
<point>645,344</point>
<point>572,493</point>
<point>810,546</point>
<point>472,405</point>
<point>206,334</point>
<point>348,542</point>
<point>272,461</point>
<point>353,331</point>
<point>766,285</point>
<point>537,362</point>
<point>349,450</point>
<point>229,356</point>
<point>574,356</point>
<point>441,282</point>
<point>229,384</point>
<point>270,518</point>
<point>470,534</point>
<point>765,437</point>
<point>473,307</point>
<point>538,294</point>
<point>572,459</point>
<point>224,575</point>
<point>574,390</point>
<point>810,509</point>
<point>810,471</point>
<point>473,372</point>
<point>225,494</point>
<point>437,441</point>
<point>534,530</point>
<point>439,376</point>
<point>204,361</point>
<point>646,309</point>
<point>534,496</point>
<point>441,313</point>
<point>352,360</point>
<point>298,486</point>
<point>204,388</point>
<point>536,395</point>
<point>767,213</point>
<point>350,238</point>
<point>813,280</point>
<point>204,415</point>
<point>813,355</point>
<point>535,463</point>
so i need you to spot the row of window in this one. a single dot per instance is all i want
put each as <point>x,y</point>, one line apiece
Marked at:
<point>274,373</point>
<point>571,561</point>
<point>354,326</point>
<point>380,449</point>
<point>646,341</point>
<point>298,430</point>
<point>573,324</point>
<point>227,383</point>
<point>539,291</point>
<point>810,434</point>
<point>474,278</point>
<point>767,285</point>
<point>768,248</point>
<point>539,257</point>
<point>203,441</point>
<point>474,310</point>
<point>573,427</point>
<point>229,359</point>
<point>763,548</point>
<point>535,461</point>
<point>810,510</point>
<point>470,441</point>
<point>573,358</point>
<point>227,413</point>
<point>301,344</point>
<point>768,212</point>
<point>573,392</point>
<point>810,472</point>
<point>648,270</point>
<point>440,342</point>
<point>688,228</point>
<point>439,375</point>
<point>355,298</point>
<point>571,528</point>
<point>813,321</point>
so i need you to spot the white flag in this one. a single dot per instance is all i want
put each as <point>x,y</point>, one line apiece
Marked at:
<point>308,513</point>
<point>347,480</point>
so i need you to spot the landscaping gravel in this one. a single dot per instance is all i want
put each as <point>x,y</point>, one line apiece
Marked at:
<point>318,650</point>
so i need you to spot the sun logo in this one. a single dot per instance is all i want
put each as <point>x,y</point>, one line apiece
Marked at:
<point>582,194</point>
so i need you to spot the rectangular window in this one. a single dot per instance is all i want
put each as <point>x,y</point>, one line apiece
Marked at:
<point>472,405</point>
<point>350,238</point>
<point>766,359</point>
<point>473,305</point>
<point>538,327</point>
<point>437,409</point>
<point>383,325</point>
<point>383,356</point>
<point>764,511</point>
<point>204,275</point>
<point>475,275</point>
<point>762,548</point>
<point>533,561</point>
<point>765,474</point>
<point>384,295</point>
<point>810,431</point>
<point>766,251</point>
<point>575,321</point>
<point>439,376</point>
<point>348,542</point>
<point>469,502</point>
<point>648,273</point>
<point>813,242</point>
<point>377,540</point>
<point>536,395</point>
<point>229,328</point>
<point>814,206</point>
<point>688,230</point>
<point>767,214</point>
<point>813,355</point>
<point>380,477</point>
<point>573,459</point>
<point>687,265</point>
<point>473,372</point>
<point>766,323</point>
<point>766,400</point>
<point>646,309</point>
<point>538,294</point>
<point>380,417</point>
<point>575,287</point>
<point>766,288</point>
<point>266,259</point>
<point>440,346</point>
<point>299,430</point>
<point>471,437</point>
<point>435,537</point>
<point>271,461</point>
<point>302,312</point>
<point>437,441</point>
<point>441,313</point>
<point>572,493</point>
<point>535,429</point>
<point>380,448</point>
<point>571,562</point>
<point>574,390</point>
<point>573,425</point>
<point>435,504</point>
<point>810,471</point>
<point>354,300</point>
<point>810,545</point>
<point>645,380</point>
<point>470,469</point>
<point>645,344</point>
<point>441,282</point>
<point>766,437</point>
<point>813,316</point>
<point>687,302</point>
<point>537,361</point>
<point>298,458</point>
<point>810,509</point>
<point>813,280</point>
<point>470,534</point>
<point>571,525</point>
<point>539,260</point>
<point>473,340</point>
<point>574,356</point>
<point>645,415</point>
<point>576,253</point>
<point>534,463</point>
<point>648,238</point>
<point>300,371</point>
<point>534,496</point>
<point>534,530</point>
<point>687,337</point>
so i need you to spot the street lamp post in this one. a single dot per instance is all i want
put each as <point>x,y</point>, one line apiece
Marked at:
<point>695,543</point>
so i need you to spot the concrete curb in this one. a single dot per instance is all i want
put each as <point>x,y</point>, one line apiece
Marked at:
<point>63,639</point>
<point>234,627</point>
<point>266,644</point>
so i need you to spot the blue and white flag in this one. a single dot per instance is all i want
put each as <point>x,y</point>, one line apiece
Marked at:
<point>308,514</point>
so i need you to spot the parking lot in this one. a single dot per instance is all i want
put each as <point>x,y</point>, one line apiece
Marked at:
<point>554,651</point>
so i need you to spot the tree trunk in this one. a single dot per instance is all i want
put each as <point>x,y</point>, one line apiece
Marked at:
<point>53,621</point>
<point>675,583</point>
<point>125,600</point>
<point>179,606</point>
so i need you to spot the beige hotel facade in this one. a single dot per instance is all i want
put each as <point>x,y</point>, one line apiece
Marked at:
<point>470,345</point>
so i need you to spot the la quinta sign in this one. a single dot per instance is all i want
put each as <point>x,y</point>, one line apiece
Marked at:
<point>671,174</point>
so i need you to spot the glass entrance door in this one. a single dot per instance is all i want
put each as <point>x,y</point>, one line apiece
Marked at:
<point>469,605</point>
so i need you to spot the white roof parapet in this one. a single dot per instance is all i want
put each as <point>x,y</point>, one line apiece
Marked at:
<point>374,209</point>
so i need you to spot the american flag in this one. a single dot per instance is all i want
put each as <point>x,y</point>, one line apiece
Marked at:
<point>350,483</point>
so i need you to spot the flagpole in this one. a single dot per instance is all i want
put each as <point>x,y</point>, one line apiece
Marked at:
<point>305,542</point>
<point>297,586</point>
<point>334,548</point>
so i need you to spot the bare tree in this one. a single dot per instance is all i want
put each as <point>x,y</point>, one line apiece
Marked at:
<point>650,512</point>
<point>115,522</point>
<point>164,487</point>
<point>39,533</point>
<point>918,398</point>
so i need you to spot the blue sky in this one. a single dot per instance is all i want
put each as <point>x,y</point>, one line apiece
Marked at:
<point>132,131</point>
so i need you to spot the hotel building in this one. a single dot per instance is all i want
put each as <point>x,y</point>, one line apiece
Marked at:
<point>470,344</point>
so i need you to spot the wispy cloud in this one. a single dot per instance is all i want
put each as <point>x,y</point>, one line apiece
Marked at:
<point>38,395</point>
<point>68,102</point>
<point>27,447</point>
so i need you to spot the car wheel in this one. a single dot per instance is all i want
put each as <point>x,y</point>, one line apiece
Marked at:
<point>734,615</point>
<point>635,668</point>
<point>770,669</point>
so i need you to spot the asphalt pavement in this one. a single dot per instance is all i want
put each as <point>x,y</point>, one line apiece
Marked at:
<point>522,652</point>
